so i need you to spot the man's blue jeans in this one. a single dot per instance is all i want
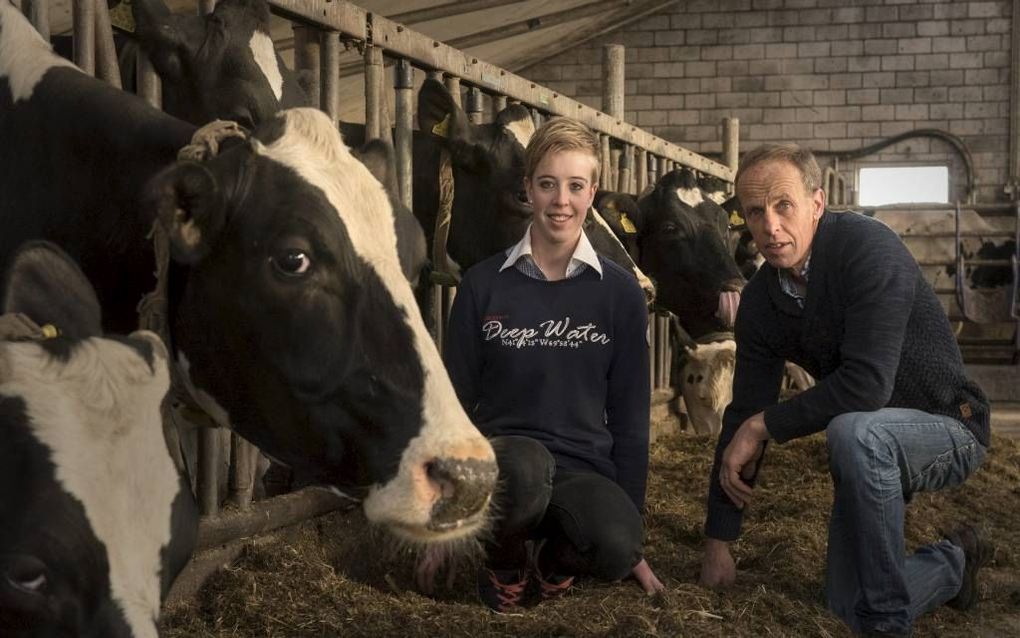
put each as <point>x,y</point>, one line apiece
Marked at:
<point>878,460</point>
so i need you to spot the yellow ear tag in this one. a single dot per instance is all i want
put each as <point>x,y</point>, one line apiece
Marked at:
<point>442,129</point>
<point>49,331</point>
<point>736,219</point>
<point>122,18</point>
<point>628,226</point>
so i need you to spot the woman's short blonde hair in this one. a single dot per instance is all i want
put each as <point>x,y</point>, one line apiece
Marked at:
<point>557,135</point>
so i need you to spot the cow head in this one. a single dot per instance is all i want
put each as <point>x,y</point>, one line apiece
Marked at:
<point>682,245</point>
<point>707,380</point>
<point>95,522</point>
<point>219,66</point>
<point>490,206</point>
<point>297,326</point>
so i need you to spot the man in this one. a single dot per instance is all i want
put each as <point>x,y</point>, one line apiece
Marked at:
<point>841,296</point>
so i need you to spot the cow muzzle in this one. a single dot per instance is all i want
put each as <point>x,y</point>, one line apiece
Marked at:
<point>440,496</point>
<point>464,487</point>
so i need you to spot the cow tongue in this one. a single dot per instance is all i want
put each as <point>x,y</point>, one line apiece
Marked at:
<point>727,311</point>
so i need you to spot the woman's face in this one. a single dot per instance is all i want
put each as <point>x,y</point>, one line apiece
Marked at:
<point>561,192</point>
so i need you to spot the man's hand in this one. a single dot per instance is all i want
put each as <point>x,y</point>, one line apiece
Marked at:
<point>739,459</point>
<point>717,567</point>
<point>646,578</point>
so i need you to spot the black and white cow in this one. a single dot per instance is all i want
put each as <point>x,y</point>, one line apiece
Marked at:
<point>290,317</point>
<point>95,521</point>
<point>679,238</point>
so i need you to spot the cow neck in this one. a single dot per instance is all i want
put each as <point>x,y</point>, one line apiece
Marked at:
<point>441,273</point>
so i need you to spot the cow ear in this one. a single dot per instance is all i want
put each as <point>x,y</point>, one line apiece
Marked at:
<point>47,286</point>
<point>161,37</point>
<point>190,207</point>
<point>439,114</point>
<point>377,156</point>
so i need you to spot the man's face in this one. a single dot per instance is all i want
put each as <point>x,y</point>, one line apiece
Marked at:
<point>780,214</point>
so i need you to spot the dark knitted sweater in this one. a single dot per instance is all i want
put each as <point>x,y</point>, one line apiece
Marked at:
<point>872,332</point>
<point>563,362</point>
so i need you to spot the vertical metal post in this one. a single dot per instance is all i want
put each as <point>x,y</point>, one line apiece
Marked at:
<point>662,334</point>
<point>642,171</point>
<point>624,172</point>
<point>1013,181</point>
<point>615,159</point>
<point>474,105</point>
<point>731,142</point>
<point>434,75</point>
<point>653,170</point>
<point>653,337</point>
<point>498,104</point>
<point>307,60</point>
<point>106,54</point>
<point>209,459</point>
<point>244,465</point>
<point>330,69</point>
<point>612,80</point>
<point>84,38</point>
<point>373,92</point>
<point>537,118</point>
<point>39,15</point>
<point>453,86</point>
<point>605,182</point>
<point>403,82</point>
<point>148,83</point>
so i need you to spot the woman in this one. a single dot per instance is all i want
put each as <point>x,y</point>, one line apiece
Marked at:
<point>547,349</point>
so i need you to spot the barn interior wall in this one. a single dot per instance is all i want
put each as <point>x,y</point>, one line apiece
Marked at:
<point>834,75</point>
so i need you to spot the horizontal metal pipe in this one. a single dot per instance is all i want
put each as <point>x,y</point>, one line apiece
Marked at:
<point>267,515</point>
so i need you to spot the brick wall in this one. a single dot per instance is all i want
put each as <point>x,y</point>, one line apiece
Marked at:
<point>834,75</point>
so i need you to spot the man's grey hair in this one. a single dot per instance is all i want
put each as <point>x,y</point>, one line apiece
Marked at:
<point>795,154</point>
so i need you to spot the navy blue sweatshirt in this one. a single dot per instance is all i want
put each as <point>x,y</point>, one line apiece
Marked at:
<point>871,331</point>
<point>563,362</point>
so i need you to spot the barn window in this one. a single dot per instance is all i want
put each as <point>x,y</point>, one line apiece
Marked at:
<point>879,185</point>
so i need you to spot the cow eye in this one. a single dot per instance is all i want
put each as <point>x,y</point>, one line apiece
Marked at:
<point>291,262</point>
<point>26,574</point>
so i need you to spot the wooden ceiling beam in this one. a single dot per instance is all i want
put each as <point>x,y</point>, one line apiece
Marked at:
<point>609,23</point>
<point>448,9</point>
<point>534,23</point>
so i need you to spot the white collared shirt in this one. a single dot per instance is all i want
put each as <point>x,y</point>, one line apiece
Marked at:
<point>520,255</point>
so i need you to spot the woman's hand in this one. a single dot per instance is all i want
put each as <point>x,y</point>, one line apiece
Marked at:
<point>647,578</point>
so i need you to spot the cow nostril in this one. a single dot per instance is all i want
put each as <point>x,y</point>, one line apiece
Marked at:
<point>446,488</point>
<point>463,487</point>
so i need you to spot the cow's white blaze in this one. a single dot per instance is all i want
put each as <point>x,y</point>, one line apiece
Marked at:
<point>313,148</point>
<point>24,55</point>
<point>265,57</point>
<point>690,196</point>
<point>643,280</point>
<point>99,415</point>
<point>522,130</point>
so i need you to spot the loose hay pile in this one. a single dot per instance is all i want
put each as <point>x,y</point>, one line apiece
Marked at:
<point>337,578</point>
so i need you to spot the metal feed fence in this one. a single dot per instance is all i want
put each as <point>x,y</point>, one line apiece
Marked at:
<point>632,159</point>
